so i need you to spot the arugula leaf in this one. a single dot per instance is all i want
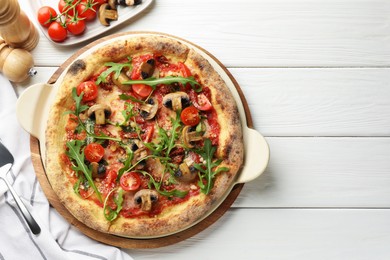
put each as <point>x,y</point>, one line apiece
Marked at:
<point>128,97</point>
<point>114,67</point>
<point>127,114</point>
<point>206,170</point>
<point>109,213</point>
<point>76,153</point>
<point>127,164</point>
<point>153,82</point>
<point>157,186</point>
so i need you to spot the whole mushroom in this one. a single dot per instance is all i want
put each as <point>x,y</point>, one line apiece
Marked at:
<point>107,14</point>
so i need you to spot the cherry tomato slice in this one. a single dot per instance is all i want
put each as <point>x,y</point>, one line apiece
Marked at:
<point>190,116</point>
<point>185,71</point>
<point>142,90</point>
<point>94,152</point>
<point>46,15</point>
<point>130,181</point>
<point>89,89</point>
<point>203,103</point>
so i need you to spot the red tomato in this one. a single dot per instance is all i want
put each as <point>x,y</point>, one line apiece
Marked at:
<point>190,116</point>
<point>130,181</point>
<point>185,71</point>
<point>202,102</point>
<point>86,9</point>
<point>46,15</point>
<point>75,26</point>
<point>100,2</point>
<point>94,152</point>
<point>89,89</point>
<point>57,32</point>
<point>65,6</point>
<point>142,90</point>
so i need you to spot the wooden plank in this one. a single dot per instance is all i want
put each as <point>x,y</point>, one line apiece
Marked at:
<point>286,234</point>
<point>318,102</point>
<point>322,172</point>
<point>264,33</point>
<point>308,102</point>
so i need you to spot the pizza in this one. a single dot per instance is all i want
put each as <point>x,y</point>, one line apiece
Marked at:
<point>143,138</point>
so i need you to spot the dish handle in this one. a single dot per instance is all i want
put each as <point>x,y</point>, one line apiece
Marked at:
<point>31,106</point>
<point>256,156</point>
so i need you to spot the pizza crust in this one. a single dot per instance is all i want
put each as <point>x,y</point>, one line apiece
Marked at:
<point>174,218</point>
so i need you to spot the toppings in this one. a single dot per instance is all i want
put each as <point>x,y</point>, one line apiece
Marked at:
<point>119,81</point>
<point>106,14</point>
<point>129,2</point>
<point>142,142</point>
<point>147,68</point>
<point>176,100</point>
<point>189,137</point>
<point>149,109</point>
<point>186,171</point>
<point>99,112</point>
<point>145,198</point>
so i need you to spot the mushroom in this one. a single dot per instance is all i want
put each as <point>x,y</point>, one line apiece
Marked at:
<point>176,100</point>
<point>139,154</point>
<point>106,14</point>
<point>119,81</point>
<point>112,4</point>
<point>149,109</point>
<point>99,112</point>
<point>129,2</point>
<point>147,68</point>
<point>186,172</point>
<point>145,198</point>
<point>189,136</point>
<point>98,169</point>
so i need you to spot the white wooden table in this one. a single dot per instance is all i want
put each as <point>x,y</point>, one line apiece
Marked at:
<point>316,77</point>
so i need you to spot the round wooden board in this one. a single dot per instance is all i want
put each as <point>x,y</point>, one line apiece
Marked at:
<point>122,241</point>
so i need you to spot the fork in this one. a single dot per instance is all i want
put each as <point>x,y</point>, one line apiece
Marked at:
<point>6,159</point>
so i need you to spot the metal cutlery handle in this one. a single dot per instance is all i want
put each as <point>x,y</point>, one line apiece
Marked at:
<point>34,227</point>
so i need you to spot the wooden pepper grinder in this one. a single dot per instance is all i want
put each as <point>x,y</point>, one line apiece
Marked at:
<point>15,27</point>
<point>16,64</point>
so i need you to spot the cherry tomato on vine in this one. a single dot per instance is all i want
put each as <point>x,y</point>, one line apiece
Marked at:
<point>100,2</point>
<point>57,32</point>
<point>89,89</point>
<point>94,152</point>
<point>190,116</point>
<point>66,6</point>
<point>46,15</point>
<point>130,181</point>
<point>75,25</point>
<point>87,9</point>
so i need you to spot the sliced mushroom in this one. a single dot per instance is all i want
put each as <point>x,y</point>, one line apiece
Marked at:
<point>129,2</point>
<point>146,198</point>
<point>112,4</point>
<point>140,152</point>
<point>186,171</point>
<point>99,112</point>
<point>149,110</point>
<point>119,81</point>
<point>176,100</point>
<point>98,169</point>
<point>147,68</point>
<point>189,136</point>
<point>106,14</point>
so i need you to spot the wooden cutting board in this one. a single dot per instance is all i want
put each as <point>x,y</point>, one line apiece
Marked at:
<point>122,241</point>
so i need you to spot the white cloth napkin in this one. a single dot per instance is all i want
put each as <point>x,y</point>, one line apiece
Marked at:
<point>58,239</point>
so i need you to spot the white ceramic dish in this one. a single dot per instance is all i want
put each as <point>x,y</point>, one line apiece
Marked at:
<point>93,28</point>
<point>34,104</point>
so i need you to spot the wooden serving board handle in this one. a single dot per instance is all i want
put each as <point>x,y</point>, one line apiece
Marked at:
<point>122,241</point>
